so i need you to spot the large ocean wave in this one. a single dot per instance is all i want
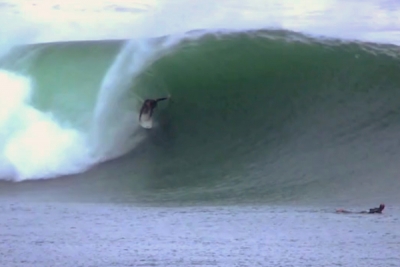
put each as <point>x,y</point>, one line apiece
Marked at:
<point>263,113</point>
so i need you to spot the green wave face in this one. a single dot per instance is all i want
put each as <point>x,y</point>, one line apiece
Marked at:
<point>253,115</point>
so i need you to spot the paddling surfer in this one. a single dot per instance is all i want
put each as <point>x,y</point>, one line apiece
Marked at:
<point>149,105</point>
<point>371,211</point>
<point>375,210</point>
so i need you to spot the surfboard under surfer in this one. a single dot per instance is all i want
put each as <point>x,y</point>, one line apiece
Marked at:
<point>149,105</point>
<point>370,211</point>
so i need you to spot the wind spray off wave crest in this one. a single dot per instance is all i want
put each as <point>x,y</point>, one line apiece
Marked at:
<point>115,128</point>
<point>33,144</point>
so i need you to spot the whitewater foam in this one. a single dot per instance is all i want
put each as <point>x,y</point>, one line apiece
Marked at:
<point>33,143</point>
<point>36,144</point>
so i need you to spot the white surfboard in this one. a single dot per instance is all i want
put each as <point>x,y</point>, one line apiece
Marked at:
<point>146,121</point>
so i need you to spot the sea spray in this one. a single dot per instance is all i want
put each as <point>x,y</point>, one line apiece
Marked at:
<point>115,128</point>
<point>33,143</point>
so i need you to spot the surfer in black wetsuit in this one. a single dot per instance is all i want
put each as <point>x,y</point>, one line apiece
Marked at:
<point>376,210</point>
<point>371,211</point>
<point>149,105</point>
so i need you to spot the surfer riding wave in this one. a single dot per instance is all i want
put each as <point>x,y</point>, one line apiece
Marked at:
<point>149,105</point>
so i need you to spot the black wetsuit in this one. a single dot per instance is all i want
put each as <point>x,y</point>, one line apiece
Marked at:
<point>149,105</point>
<point>375,210</point>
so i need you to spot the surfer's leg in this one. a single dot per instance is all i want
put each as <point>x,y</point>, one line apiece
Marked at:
<point>343,211</point>
<point>144,109</point>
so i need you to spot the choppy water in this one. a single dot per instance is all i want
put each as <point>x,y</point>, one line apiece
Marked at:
<point>198,236</point>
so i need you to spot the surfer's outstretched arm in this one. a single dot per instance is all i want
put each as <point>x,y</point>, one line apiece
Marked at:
<point>163,98</point>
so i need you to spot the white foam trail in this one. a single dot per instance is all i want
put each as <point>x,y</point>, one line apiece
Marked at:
<point>33,144</point>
